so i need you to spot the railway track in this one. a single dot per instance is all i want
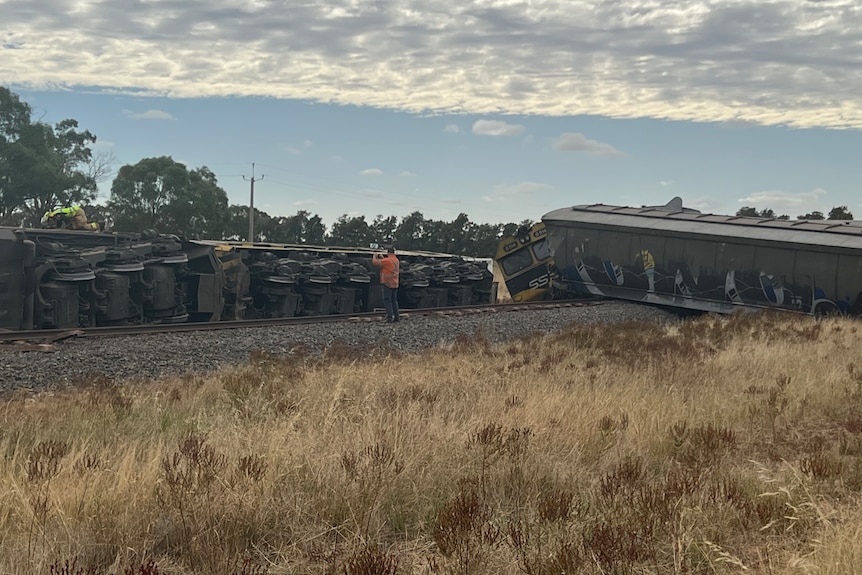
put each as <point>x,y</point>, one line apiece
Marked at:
<point>54,335</point>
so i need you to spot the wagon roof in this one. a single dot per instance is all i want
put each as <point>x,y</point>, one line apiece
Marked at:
<point>674,218</point>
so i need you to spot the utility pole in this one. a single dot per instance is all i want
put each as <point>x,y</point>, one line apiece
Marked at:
<point>251,205</point>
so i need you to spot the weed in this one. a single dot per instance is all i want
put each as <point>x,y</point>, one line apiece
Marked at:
<point>555,505</point>
<point>513,401</point>
<point>622,480</point>
<point>87,463</point>
<point>103,390</point>
<point>72,568</point>
<point>370,560</point>
<point>370,464</point>
<point>44,461</point>
<point>252,467</point>
<point>820,466</point>
<point>463,531</point>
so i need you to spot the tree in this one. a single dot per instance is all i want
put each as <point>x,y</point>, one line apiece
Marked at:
<point>840,213</point>
<point>350,232</point>
<point>458,235</point>
<point>14,117</point>
<point>301,228</point>
<point>42,166</point>
<point>486,239</point>
<point>201,211</point>
<point>383,229</point>
<point>163,194</point>
<point>236,223</point>
<point>750,212</point>
<point>408,234</point>
<point>811,216</point>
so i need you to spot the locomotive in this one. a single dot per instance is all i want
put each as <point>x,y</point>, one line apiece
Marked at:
<point>63,279</point>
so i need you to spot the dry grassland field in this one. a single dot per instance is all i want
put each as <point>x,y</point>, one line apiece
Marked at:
<point>715,445</point>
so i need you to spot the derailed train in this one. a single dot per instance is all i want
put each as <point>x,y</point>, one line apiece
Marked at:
<point>59,279</point>
<point>674,256</point>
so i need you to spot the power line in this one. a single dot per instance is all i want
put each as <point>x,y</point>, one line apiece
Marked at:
<point>251,205</point>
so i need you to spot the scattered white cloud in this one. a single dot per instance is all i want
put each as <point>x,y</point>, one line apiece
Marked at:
<point>104,145</point>
<point>374,194</point>
<point>371,172</point>
<point>705,205</point>
<point>407,174</point>
<point>737,62</point>
<point>575,142</point>
<point>149,115</point>
<point>516,191</point>
<point>452,129</point>
<point>666,183</point>
<point>296,150</point>
<point>496,128</point>
<point>305,203</point>
<point>786,202</point>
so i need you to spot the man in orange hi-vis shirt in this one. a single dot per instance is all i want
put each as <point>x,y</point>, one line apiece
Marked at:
<point>389,269</point>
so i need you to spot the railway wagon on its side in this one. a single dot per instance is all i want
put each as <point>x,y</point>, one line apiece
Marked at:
<point>675,256</point>
<point>62,279</point>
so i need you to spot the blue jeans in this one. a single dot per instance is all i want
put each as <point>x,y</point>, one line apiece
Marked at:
<point>390,302</point>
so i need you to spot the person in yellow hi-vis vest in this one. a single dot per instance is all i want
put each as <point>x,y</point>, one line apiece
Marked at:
<point>73,218</point>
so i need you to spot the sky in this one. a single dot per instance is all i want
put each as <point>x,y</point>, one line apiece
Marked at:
<point>501,109</point>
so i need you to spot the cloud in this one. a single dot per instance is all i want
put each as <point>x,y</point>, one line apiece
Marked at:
<point>304,203</point>
<point>371,172</point>
<point>665,183</point>
<point>407,174</point>
<point>785,202</point>
<point>149,115</point>
<point>575,142</point>
<point>705,205</point>
<point>296,150</point>
<point>742,61</point>
<point>516,191</point>
<point>496,128</point>
<point>452,129</point>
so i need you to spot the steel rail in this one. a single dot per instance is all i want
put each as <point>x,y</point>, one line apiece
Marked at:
<point>52,335</point>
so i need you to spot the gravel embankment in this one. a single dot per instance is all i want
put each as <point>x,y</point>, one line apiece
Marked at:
<point>152,356</point>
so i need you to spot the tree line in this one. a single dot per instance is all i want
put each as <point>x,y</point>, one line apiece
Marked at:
<point>43,166</point>
<point>836,213</point>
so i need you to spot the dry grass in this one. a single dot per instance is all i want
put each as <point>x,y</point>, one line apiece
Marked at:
<point>713,446</point>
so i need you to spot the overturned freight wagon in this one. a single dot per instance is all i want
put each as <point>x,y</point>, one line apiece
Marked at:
<point>675,256</point>
<point>52,279</point>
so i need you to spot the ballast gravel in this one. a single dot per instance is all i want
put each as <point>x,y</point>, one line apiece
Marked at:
<point>154,356</point>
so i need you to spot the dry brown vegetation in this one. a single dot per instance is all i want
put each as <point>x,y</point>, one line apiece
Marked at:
<point>711,446</point>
